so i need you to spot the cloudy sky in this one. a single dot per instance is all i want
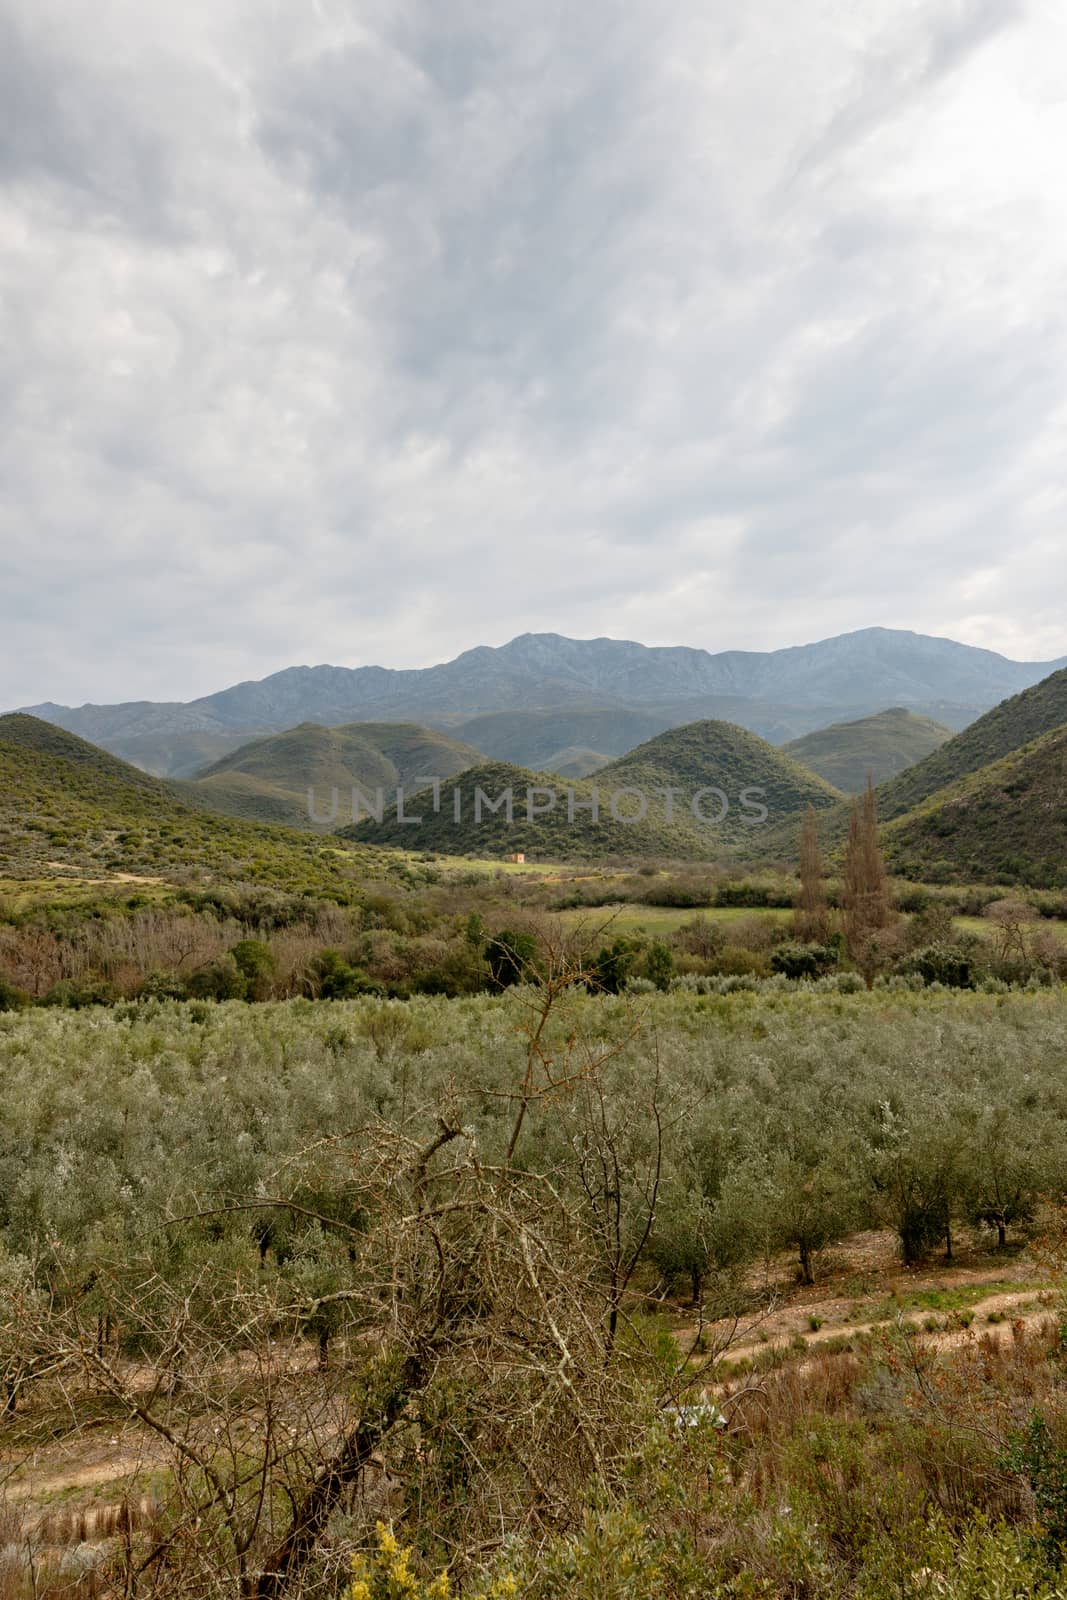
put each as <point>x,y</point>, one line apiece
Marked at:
<point>368,330</point>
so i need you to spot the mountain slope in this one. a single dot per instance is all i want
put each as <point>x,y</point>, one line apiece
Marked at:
<point>269,779</point>
<point>68,807</point>
<point>883,745</point>
<point>1013,723</point>
<point>854,673</point>
<point>941,779</point>
<point>1005,823</point>
<point>545,835</point>
<point>691,822</point>
<point>576,762</point>
<point>719,754</point>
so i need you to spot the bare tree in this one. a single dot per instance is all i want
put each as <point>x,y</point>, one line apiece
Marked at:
<point>868,913</point>
<point>812,921</point>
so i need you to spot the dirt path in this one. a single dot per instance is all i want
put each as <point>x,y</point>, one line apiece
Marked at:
<point>996,1304</point>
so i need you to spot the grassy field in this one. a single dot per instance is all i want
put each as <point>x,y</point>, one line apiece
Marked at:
<point>659,921</point>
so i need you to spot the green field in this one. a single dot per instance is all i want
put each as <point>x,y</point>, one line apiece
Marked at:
<point>659,921</point>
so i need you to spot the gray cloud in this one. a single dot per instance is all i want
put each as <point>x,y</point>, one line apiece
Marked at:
<point>370,332</point>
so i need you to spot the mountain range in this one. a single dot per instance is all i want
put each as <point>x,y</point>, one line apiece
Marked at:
<point>988,804</point>
<point>778,694</point>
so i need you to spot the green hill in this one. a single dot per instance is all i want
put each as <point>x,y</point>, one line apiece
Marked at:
<point>576,762</point>
<point>551,836</point>
<point>705,756</point>
<point>882,746</point>
<point>923,788</point>
<point>1005,823</point>
<point>268,779</point>
<point>68,807</point>
<point>1010,725</point>
<point>722,755</point>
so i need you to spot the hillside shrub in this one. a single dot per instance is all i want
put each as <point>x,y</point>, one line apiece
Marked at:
<point>512,956</point>
<point>796,960</point>
<point>218,980</point>
<point>333,978</point>
<point>254,960</point>
<point>948,964</point>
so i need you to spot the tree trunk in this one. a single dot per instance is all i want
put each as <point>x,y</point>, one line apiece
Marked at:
<point>311,1514</point>
<point>806,1274</point>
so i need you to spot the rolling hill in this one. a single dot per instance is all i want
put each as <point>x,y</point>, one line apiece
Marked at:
<point>696,762</point>
<point>1007,727</point>
<point>780,693</point>
<point>1004,823</point>
<point>723,755</point>
<point>575,762</point>
<point>269,779</point>
<point>551,836</point>
<point>68,808</point>
<point>941,786</point>
<point>883,745</point>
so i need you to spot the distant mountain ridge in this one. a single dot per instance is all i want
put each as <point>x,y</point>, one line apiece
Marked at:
<point>780,693</point>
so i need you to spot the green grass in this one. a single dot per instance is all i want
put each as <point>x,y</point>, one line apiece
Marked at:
<point>960,1297</point>
<point>658,921</point>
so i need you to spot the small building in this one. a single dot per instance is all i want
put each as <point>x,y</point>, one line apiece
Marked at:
<point>518,857</point>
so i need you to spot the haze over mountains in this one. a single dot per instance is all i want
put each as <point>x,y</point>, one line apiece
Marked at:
<point>779,694</point>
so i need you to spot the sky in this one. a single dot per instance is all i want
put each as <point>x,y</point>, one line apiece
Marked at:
<point>369,332</point>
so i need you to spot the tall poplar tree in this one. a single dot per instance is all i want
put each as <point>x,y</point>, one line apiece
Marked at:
<point>812,922</point>
<point>867,907</point>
